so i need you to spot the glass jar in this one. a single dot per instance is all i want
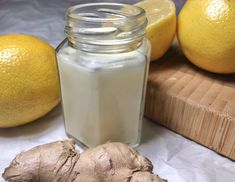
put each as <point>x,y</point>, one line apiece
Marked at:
<point>103,71</point>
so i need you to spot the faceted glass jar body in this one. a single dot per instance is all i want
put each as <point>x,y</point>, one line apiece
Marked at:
<point>103,71</point>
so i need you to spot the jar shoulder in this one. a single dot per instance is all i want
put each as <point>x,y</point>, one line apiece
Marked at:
<point>65,48</point>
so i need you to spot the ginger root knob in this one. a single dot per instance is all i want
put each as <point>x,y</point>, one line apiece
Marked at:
<point>60,162</point>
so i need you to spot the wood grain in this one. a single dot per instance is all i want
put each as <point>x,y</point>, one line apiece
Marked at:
<point>192,102</point>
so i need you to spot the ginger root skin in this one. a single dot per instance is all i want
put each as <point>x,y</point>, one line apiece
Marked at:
<point>60,162</point>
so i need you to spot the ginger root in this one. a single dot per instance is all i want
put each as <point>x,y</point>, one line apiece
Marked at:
<point>60,162</point>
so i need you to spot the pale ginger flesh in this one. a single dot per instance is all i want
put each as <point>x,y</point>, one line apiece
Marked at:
<point>60,162</point>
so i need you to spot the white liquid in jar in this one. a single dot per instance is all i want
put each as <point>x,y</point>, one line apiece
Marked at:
<point>102,95</point>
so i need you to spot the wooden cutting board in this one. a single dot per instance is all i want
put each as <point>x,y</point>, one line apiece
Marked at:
<point>194,103</point>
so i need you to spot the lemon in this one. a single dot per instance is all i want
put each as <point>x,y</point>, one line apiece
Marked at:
<point>206,33</point>
<point>29,85</point>
<point>161,27</point>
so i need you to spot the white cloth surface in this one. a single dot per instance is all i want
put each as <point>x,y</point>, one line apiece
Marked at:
<point>174,158</point>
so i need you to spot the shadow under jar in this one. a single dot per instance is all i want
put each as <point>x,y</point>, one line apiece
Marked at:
<point>103,69</point>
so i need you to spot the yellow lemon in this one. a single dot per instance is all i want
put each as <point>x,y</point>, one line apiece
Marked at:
<point>206,33</point>
<point>29,85</point>
<point>161,27</point>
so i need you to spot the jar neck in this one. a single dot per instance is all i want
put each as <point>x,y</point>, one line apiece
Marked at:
<point>105,27</point>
